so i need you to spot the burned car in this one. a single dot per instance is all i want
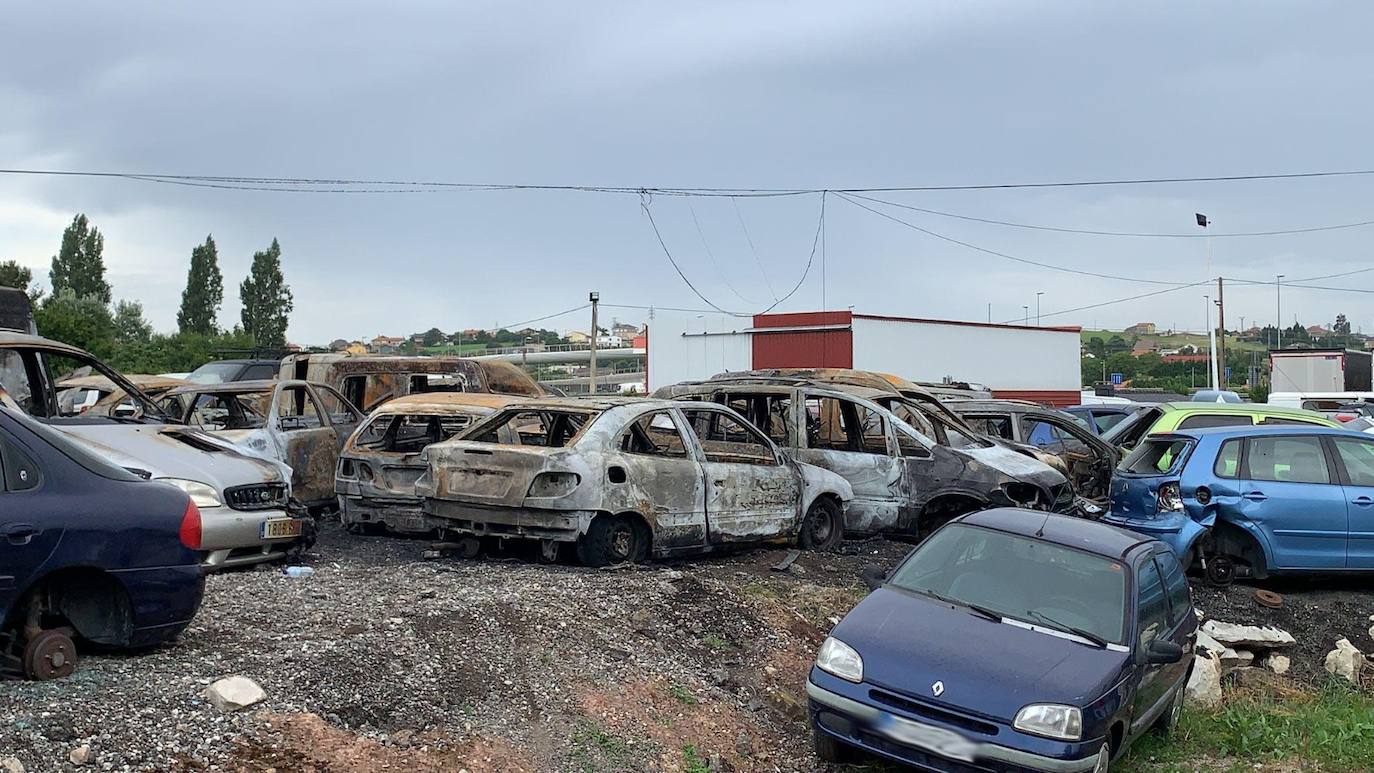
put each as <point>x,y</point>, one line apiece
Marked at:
<point>904,482</point>
<point>1086,459</point>
<point>622,479</point>
<point>98,395</point>
<point>381,461</point>
<point>367,381</point>
<point>300,424</point>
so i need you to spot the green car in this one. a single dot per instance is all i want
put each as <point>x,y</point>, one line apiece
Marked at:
<point>1167,417</point>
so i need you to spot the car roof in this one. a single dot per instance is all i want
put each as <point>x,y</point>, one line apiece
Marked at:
<point>443,402</point>
<point>1248,408</point>
<point>1025,406</point>
<point>1072,532</point>
<point>10,339</point>
<point>1261,429</point>
<point>254,385</point>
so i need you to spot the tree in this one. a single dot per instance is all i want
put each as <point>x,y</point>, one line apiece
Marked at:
<point>129,324</point>
<point>14,275</point>
<point>433,337</point>
<point>267,301</point>
<point>80,321</point>
<point>204,291</point>
<point>80,266</point>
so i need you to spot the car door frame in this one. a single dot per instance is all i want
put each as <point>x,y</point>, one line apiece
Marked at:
<point>1359,506</point>
<point>37,529</point>
<point>310,452</point>
<point>1180,632</point>
<point>1275,548</point>
<point>880,500</point>
<point>678,526</point>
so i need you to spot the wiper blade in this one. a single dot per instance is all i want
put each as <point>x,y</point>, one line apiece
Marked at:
<point>980,610</point>
<point>1065,628</point>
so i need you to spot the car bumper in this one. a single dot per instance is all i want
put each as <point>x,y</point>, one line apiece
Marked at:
<point>234,537</point>
<point>1177,530</point>
<point>507,522</point>
<point>399,514</point>
<point>165,599</point>
<point>923,745</point>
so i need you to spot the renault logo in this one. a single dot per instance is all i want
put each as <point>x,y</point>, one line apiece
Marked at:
<point>937,689</point>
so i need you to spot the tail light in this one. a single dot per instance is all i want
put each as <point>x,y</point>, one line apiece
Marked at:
<point>190,526</point>
<point>1169,497</point>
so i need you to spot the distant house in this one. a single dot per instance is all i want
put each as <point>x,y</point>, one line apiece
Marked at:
<point>610,342</point>
<point>1140,329</point>
<point>1143,347</point>
<point>625,330</point>
<point>577,337</point>
<point>1187,358</point>
<point>1318,330</point>
<point>385,344</point>
<point>355,348</point>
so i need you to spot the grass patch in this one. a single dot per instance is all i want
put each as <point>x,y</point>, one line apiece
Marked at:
<point>1331,730</point>
<point>593,749</point>
<point>716,642</point>
<point>692,761</point>
<point>681,693</point>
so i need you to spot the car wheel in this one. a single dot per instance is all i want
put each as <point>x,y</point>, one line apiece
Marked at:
<point>823,526</point>
<point>1104,759</point>
<point>831,749</point>
<point>1169,719</point>
<point>613,539</point>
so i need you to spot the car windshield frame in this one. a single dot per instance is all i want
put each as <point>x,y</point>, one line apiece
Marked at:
<point>214,368</point>
<point>1113,628</point>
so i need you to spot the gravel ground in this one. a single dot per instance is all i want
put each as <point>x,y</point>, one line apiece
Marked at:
<point>385,661</point>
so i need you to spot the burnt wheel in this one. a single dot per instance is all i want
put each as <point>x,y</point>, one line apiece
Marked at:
<point>613,539</point>
<point>823,526</point>
<point>50,655</point>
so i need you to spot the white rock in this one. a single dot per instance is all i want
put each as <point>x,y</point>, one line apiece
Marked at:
<point>1233,658</point>
<point>233,693</point>
<point>80,755</point>
<point>1252,637</point>
<point>1277,663</point>
<point>1206,645</point>
<point>1204,686</point>
<point>12,765</point>
<point>1345,661</point>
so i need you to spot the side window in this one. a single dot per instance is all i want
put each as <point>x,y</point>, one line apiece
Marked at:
<point>355,389</point>
<point>909,444</point>
<point>1289,459</point>
<point>1105,421</point>
<point>21,474</point>
<point>653,434</point>
<point>259,372</point>
<point>1045,434</point>
<point>1358,458</point>
<point>1199,420</point>
<point>1175,585</point>
<point>296,410</point>
<point>333,403</point>
<point>1152,610</point>
<point>770,413</point>
<point>17,381</point>
<point>724,438</point>
<point>1228,460</point>
<point>1284,420</point>
<point>994,426</point>
<point>873,430</point>
<point>825,425</point>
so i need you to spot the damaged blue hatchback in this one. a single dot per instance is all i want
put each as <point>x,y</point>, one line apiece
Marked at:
<point>1009,640</point>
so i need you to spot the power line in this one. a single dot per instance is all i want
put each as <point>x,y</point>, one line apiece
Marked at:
<point>1118,300</point>
<point>1058,229</point>
<point>712,256</point>
<point>644,204</point>
<point>547,316</point>
<point>753,249</point>
<point>1007,256</point>
<point>820,227</point>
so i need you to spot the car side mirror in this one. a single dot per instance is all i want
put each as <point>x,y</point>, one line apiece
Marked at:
<point>1163,652</point>
<point>873,576</point>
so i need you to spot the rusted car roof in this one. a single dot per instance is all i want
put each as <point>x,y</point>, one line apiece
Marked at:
<point>443,402</point>
<point>103,384</point>
<point>230,387</point>
<point>9,339</point>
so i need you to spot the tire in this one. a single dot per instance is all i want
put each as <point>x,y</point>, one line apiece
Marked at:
<point>613,539</point>
<point>1104,759</point>
<point>1169,719</point>
<point>830,749</point>
<point>823,526</point>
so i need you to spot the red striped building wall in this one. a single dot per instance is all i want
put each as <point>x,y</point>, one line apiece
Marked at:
<point>820,339</point>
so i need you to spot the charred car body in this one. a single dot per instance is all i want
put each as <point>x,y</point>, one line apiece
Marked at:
<point>382,460</point>
<point>299,424</point>
<point>903,481</point>
<point>367,381</point>
<point>98,396</point>
<point>623,479</point>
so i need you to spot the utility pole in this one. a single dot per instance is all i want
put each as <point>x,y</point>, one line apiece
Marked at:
<point>1221,334</point>
<point>1211,342</point>
<point>595,298</point>
<point>1278,312</point>
<point>989,313</point>
<point>1025,315</point>
<point>1037,308</point>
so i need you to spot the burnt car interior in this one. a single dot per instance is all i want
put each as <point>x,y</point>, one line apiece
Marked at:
<point>410,433</point>
<point>1088,469</point>
<point>724,439</point>
<point>653,434</point>
<point>549,428</point>
<point>28,379</point>
<point>223,410</point>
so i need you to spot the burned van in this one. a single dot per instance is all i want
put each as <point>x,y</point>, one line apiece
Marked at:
<point>367,381</point>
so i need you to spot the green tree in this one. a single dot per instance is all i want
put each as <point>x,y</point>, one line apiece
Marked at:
<point>204,291</point>
<point>267,301</point>
<point>79,321</point>
<point>434,336</point>
<point>79,265</point>
<point>14,275</point>
<point>129,324</point>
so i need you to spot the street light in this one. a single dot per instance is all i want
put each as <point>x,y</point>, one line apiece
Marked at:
<point>1037,308</point>
<point>1278,312</point>
<point>1025,315</point>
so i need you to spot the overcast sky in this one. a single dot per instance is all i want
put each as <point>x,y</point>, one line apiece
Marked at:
<point>728,94</point>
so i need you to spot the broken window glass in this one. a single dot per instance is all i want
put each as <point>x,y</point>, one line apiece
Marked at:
<point>551,428</point>
<point>296,410</point>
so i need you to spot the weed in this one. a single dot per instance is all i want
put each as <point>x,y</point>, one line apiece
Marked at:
<point>593,749</point>
<point>716,642</point>
<point>692,761</point>
<point>681,693</point>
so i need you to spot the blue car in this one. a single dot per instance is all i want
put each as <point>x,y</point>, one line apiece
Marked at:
<point>1009,640</point>
<point>90,553</point>
<point>1253,501</point>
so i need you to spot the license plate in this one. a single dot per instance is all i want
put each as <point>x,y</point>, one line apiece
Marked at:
<point>281,528</point>
<point>944,742</point>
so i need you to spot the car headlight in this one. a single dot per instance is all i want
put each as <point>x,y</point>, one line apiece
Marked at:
<point>204,495</point>
<point>1051,720</point>
<point>840,659</point>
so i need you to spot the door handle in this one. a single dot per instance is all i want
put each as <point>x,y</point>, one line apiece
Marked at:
<point>1255,496</point>
<point>20,533</point>
<point>1362,501</point>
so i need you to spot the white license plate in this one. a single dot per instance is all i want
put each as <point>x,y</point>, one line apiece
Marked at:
<point>281,528</point>
<point>944,742</point>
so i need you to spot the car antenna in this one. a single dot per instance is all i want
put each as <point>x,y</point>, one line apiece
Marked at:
<point>1040,532</point>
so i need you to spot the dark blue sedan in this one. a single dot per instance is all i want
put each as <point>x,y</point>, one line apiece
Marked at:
<point>1009,640</point>
<point>89,552</point>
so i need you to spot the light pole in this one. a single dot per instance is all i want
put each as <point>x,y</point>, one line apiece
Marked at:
<point>1025,315</point>
<point>1037,308</point>
<point>594,297</point>
<point>1278,312</point>
<point>1212,341</point>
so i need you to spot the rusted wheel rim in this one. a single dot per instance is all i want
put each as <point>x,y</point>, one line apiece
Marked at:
<point>1268,598</point>
<point>49,655</point>
<point>622,541</point>
<point>821,526</point>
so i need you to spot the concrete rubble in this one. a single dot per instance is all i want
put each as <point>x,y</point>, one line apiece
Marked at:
<point>1345,662</point>
<point>234,693</point>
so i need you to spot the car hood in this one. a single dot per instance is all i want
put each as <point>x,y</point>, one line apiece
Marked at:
<point>1016,465</point>
<point>170,451</point>
<point>909,642</point>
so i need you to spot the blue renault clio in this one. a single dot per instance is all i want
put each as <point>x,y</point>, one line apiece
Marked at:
<point>1252,501</point>
<point>1009,640</point>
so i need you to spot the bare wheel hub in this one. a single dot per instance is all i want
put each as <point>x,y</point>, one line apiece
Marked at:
<point>50,655</point>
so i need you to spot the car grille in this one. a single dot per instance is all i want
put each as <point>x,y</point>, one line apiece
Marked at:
<point>263,496</point>
<point>931,712</point>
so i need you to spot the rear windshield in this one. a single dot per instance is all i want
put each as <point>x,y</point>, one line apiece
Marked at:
<point>1156,456</point>
<point>215,373</point>
<point>1019,577</point>
<point>410,433</point>
<point>552,428</point>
